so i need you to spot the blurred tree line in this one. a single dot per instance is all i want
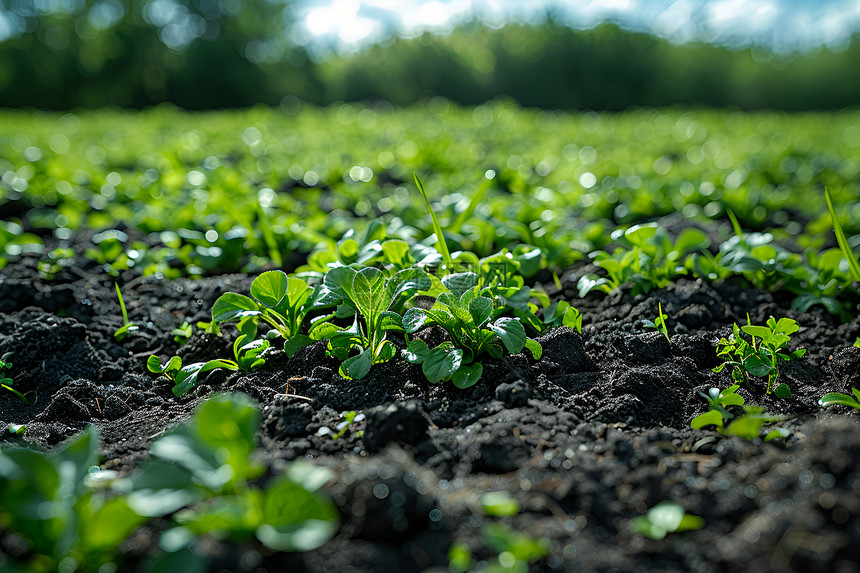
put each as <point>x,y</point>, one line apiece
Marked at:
<point>231,53</point>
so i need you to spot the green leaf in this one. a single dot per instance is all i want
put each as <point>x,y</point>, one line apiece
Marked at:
<point>535,348</point>
<point>396,251</point>
<point>369,291</point>
<point>762,332</point>
<point>782,391</point>
<point>357,367</point>
<point>666,515</point>
<point>499,504</point>
<point>777,433</point>
<point>756,366</point>
<point>512,333</point>
<point>441,362</point>
<point>270,288</point>
<point>295,519</point>
<point>437,228</point>
<point>834,399</point>
<point>459,283</point>
<point>841,239</point>
<point>416,351</point>
<point>467,375</point>
<point>105,527</point>
<point>709,418</point>
<point>231,305</point>
<point>480,308</point>
<point>746,427</point>
<point>414,319</point>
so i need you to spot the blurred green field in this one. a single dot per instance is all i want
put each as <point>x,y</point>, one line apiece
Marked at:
<point>234,190</point>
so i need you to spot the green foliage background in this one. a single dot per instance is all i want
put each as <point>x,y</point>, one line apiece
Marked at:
<point>241,53</point>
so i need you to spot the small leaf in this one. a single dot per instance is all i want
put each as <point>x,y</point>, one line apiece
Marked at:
<point>357,367</point>
<point>746,427</point>
<point>777,433</point>
<point>835,398</point>
<point>535,348</point>
<point>499,504</point>
<point>231,305</point>
<point>414,319</point>
<point>467,375</point>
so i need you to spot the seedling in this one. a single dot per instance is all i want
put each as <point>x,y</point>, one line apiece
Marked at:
<point>659,323</point>
<point>467,315</point>
<point>281,302</point>
<point>834,398</point>
<point>6,382</point>
<point>343,427</point>
<point>664,518</point>
<point>185,377</point>
<point>857,342</point>
<point>747,426</point>
<point>761,356</point>
<point>365,294</point>
<point>441,245</point>
<point>182,333</point>
<point>127,326</point>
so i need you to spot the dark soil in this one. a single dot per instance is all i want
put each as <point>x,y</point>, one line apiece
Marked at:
<point>586,438</point>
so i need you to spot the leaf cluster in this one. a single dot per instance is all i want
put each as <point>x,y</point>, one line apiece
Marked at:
<point>760,355</point>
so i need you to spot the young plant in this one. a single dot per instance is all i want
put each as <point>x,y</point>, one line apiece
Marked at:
<point>664,518</point>
<point>182,333</point>
<point>207,468</point>
<point>842,240</point>
<point>467,315</point>
<point>379,303</point>
<point>185,377</point>
<point>718,402</point>
<point>837,399</point>
<point>127,326</point>
<point>659,323</point>
<point>762,355</point>
<point>6,382</point>
<point>343,427</point>
<point>282,303</point>
<point>73,525</point>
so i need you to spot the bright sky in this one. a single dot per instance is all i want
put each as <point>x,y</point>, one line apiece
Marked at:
<point>784,25</point>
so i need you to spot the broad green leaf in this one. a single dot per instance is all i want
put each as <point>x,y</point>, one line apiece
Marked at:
<point>105,527</point>
<point>787,326</point>
<point>293,345</point>
<point>229,421</point>
<point>499,504</point>
<point>295,519</point>
<point>357,367</point>
<point>762,332</point>
<point>396,251</point>
<point>369,292</point>
<point>232,305</point>
<point>710,418</point>
<point>746,427</point>
<point>414,319</point>
<point>441,362</point>
<point>782,391</point>
<point>467,375</point>
<point>270,288</point>
<point>480,308</point>
<point>403,285</point>
<point>338,283</point>
<point>512,333</point>
<point>459,283</point>
<point>416,351</point>
<point>756,366</point>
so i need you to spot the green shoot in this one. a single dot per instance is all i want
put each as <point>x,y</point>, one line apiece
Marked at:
<point>437,228</point>
<point>735,224</point>
<point>857,342</point>
<point>853,265</point>
<point>473,204</point>
<point>664,518</point>
<point>6,382</point>
<point>659,323</point>
<point>834,398</point>
<point>127,326</point>
<point>182,333</point>
<point>343,427</point>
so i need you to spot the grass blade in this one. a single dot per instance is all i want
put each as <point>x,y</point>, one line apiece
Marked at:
<point>853,265</point>
<point>437,228</point>
<point>476,200</point>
